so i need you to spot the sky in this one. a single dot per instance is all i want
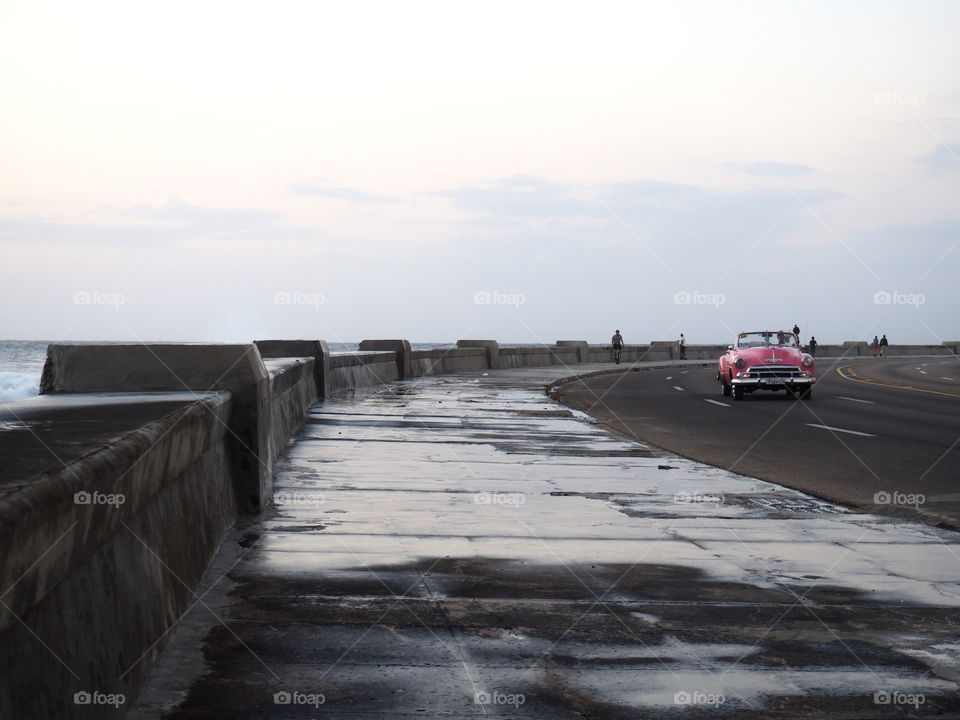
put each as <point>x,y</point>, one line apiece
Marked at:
<point>526,172</point>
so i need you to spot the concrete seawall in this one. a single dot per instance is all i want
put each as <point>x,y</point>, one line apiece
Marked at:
<point>125,474</point>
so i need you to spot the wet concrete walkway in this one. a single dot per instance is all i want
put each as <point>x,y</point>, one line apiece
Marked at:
<point>462,546</point>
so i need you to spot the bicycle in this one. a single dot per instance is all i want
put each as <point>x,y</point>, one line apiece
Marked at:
<point>615,352</point>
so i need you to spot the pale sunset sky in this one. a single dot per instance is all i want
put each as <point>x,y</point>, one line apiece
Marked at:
<point>522,171</point>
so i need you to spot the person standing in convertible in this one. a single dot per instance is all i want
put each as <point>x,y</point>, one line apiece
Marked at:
<point>617,342</point>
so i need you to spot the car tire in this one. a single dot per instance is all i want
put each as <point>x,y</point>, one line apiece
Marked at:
<point>725,389</point>
<point>737,392</point>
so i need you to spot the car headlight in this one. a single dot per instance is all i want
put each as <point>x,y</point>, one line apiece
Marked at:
<point>740,363</point>
<point>807,361</point>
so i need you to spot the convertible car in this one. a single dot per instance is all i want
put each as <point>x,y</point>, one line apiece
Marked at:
<point>767,360</point>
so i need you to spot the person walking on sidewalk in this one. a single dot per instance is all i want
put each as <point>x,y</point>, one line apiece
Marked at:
<point>682,342</point>
<point>874,345</point>
<point>617,342</point>
<point>813,346</point>
<point>883,346</point>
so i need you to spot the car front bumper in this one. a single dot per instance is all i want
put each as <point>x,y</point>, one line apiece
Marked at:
<point>773,381</point>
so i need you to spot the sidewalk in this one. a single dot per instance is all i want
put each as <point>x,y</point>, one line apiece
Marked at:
<point>462,546</point>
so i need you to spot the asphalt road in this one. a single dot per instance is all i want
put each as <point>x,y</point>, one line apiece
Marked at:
<point>879,435</point>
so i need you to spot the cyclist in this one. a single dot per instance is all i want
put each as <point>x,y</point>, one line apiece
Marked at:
<point>617,341</point>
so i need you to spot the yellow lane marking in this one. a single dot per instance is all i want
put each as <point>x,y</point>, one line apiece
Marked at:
<point>848,373</point>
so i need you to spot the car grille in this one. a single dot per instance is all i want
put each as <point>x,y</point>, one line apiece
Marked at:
<point>775,371</point>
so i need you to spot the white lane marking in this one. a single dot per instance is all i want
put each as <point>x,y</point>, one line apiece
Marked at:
<point>716,402</point>
<point>669,377</point>
<point>677,387</point>
<point>684,372</point>
<point>866,402</point>
<point>923,372</point>
<point>944,377</point>
<point>836,429</point>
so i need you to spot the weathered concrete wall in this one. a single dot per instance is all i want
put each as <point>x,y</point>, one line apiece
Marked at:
<point>93,587</point>
<point>362,369</point>
<point>317,349</point>
<point>138,367</point>
<point>491,346</point>
<point>449,360</point>
<point>293,389</point>
<point>401,350</point>
<point>514,357</point>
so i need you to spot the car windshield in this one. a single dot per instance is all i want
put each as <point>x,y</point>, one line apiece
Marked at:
<point>780,338</point>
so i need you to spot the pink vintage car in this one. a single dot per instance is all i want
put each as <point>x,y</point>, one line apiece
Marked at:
<point>766,361</point>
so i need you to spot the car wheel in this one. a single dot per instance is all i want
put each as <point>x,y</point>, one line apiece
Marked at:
<point>725,389</point>
<point>737,392</point>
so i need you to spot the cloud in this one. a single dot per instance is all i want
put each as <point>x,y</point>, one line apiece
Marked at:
<point>944,157</point>
<point>177,211</point>
<point>521,197</point>
<point>320,188</point>
<point>774,169</point>
<point>654,209</point>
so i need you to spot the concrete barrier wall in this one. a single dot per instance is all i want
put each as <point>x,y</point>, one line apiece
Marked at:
<point>449,360</point>
<point>361,369</point>
<point>515,357</point>
<point>293,389</point>
<point>100,584</point>
<point>138,367</point>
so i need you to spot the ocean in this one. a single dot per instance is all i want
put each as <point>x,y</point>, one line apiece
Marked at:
<point>21,363</point>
